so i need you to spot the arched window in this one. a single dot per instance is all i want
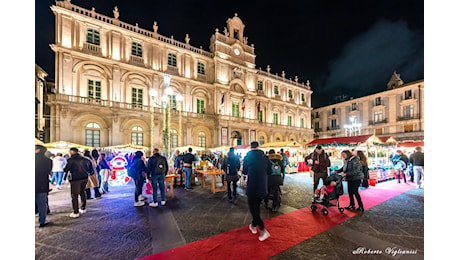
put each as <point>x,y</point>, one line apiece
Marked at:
<point>202,139</point>
<point>174,138</point>
<point>93,135</point>
<point>261,140</point>
<point>137,135</point>
<point>277,139</point>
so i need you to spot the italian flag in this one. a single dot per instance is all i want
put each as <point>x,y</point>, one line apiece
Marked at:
<point>243,104</point>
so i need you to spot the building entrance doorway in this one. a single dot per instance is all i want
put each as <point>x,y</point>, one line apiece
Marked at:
<point>236,138</point>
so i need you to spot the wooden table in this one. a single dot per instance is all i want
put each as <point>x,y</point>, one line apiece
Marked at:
<point>170,178</point>
<point>213,174</point>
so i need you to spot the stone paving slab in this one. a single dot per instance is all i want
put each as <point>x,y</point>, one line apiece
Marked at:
<point>114,229</point>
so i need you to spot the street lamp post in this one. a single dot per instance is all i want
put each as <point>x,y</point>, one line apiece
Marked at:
<point>153,93</point>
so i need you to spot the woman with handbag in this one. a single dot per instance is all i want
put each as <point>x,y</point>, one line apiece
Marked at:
<point>231,166</point>
<point>363,161</point>
<point>93,182</point>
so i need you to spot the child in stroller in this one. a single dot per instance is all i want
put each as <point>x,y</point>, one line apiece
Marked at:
<point>332,189</point>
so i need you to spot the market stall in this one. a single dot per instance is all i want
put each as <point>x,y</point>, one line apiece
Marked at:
<point>63,147</point>
<point>294,152</point>
<point>378,153</point>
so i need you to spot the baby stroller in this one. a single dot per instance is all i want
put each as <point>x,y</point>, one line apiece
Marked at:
<point>333,195</point>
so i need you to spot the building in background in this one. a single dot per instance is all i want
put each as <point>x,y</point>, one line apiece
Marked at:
<point>398,112</point>
<point>111,76</point>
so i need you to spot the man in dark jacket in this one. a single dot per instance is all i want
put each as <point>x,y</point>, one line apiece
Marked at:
<point>43,166</point>
<point>257,167</point>
<point>320,162</point>
<point>178,167</point>
<point>275,179</point>
<point>157,168</point>
<point>80,168</point>
<point>188,158</point>
<point>417,160</point>
<point>231,166</point>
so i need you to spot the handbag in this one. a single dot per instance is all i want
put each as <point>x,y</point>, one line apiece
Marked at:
<point>93,182</point>
<point>148,188</point>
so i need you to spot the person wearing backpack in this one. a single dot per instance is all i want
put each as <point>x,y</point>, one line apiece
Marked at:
<point>157,168</point>
<point>275,180</point>
<point>400,162</point>
<point>231,164</point>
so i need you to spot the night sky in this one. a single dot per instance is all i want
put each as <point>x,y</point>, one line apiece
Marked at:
<point>344,47</point>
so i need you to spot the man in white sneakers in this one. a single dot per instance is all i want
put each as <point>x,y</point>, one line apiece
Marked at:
<point>157,168</point>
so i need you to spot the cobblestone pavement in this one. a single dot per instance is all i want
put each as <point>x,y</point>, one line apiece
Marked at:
<point>114,229</point>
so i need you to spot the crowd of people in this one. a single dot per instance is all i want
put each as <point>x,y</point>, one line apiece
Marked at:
<point>264,173</point>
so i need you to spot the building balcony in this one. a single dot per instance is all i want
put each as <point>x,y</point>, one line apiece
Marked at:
<point>201,77</point>
<point>407,117</point>
<point>333,128</point>
<point>136,60</point>
<point>384,121</point>
<point>92,49</point>
<point>260,93</point>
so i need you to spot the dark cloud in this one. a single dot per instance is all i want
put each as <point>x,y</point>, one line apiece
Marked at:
<point>367,62</point>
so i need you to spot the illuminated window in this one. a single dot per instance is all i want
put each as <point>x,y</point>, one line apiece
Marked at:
<point>302,122</point>
<point>137,135</point>
<point>174,138</point>
<point>235,109</point>
<point>202,139</point>
<point>260,85</point>
<point>275,118</point>
<point>136,49</point>
<point>200,68</point>
<point>137,96</point>
<point>172,59</point>
<point>93,135</point>
<point>92,36</point>
<point>261,140</point>
<point>378,116</point>
<point>199,106</point>
<point>94,89</point>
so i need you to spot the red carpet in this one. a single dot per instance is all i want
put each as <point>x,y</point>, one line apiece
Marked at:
<point>286,230</point>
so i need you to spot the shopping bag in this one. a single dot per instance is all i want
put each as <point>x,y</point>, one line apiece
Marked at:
<point>92,181</point>
<point>148,188</point>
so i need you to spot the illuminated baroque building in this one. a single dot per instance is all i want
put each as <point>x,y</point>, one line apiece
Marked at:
<point>107,70</point>
<point>396,112</point>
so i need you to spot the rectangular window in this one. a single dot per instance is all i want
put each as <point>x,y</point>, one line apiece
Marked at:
<point>137,138</point>
<point>316,114</point>
<point>200,106</point>
<point>260,116</point>
<point>333,111</point>
<point>94,89</point>
<point>136,49</point>
<point>93,138</point>
<point>92,36</point>
<point>275,118</point>
<point>408,128</point>
<point>172,59</point>
<point>174,141</point>
<point>290,93</point>
<point>202,141</point>
<point>289,122</point>
<point>378,116</point>
<point>172,102</point>
<point>260,85</point>
<point>334,123</point>
<point>317,127</point>
<point>407,94</point>
<point>354,107</point>
<point>378,101</point>
<point>235,109</point>
<point>276,90</point>
<point>200,68</point>
<point>136,96</point>
<point>302,97</point>
<point>408,112</point>
<point>302,122</point>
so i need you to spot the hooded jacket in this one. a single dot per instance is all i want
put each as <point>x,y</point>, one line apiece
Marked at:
<point>257,167</point>
<point>274,180</point>
<point>138,167</point>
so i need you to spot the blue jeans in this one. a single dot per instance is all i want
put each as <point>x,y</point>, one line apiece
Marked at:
<point>41,199</point>
<point>188,175</point>
<point>57,176</point>
<point>158,180</point>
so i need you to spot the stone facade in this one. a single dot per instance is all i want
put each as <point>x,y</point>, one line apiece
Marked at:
<point>398,112</point>
<point>106,70</point>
